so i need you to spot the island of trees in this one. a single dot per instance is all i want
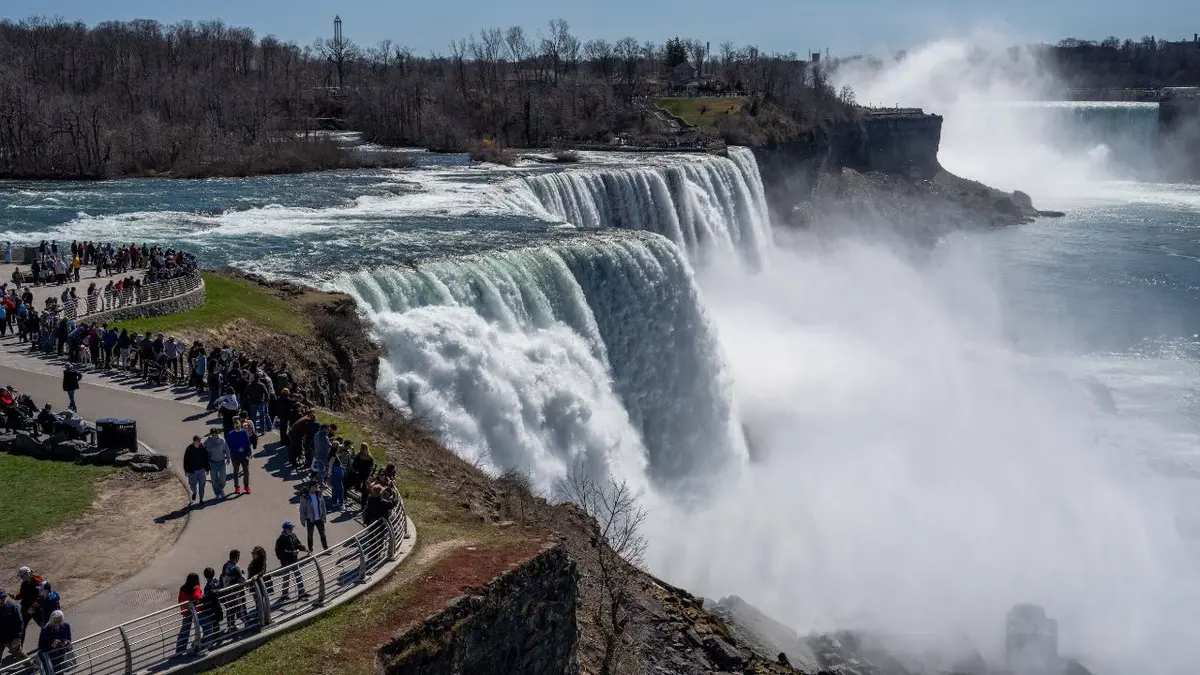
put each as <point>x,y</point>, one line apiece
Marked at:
<point>198,99</point>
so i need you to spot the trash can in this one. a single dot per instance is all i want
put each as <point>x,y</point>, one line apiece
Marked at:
<point>115,433</point>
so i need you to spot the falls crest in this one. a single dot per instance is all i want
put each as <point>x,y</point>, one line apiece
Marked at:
<point>709,205</point>
<point>596,352</point>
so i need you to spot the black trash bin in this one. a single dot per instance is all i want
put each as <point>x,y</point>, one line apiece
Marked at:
<point>115,433</point>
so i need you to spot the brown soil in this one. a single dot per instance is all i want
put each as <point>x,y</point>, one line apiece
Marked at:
<point>116,536</point>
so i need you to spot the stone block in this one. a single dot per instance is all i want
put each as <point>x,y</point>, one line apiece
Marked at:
<point>144,467</point>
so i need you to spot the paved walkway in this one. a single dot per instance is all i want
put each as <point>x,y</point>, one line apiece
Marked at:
<point>166,422</point>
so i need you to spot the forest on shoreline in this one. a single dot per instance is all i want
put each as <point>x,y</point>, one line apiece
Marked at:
<point>141,98</point>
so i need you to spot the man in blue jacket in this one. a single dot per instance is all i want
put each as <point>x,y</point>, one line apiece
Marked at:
<point>238,440</point>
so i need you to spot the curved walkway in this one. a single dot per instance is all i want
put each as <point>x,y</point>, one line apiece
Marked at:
<point>167,425</point>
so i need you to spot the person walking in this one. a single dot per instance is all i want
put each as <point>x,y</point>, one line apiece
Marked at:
<point>190,596</point>
<point>71,378</point>
<point>54,644</point>
<point>196,464</point>
<point>238,440</point>
<point>48,603</point>
<point>218,457</point>
<point>11,628</point>
<point>287,550</point>
<point>31,585</point>
<point>313,513</point>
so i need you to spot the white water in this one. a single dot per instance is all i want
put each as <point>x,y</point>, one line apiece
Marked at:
<point>918,475</point>
<point>595,353</point>
<point>708,205</point>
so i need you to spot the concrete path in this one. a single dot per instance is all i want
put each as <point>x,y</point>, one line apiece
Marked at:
<point>167,420</point>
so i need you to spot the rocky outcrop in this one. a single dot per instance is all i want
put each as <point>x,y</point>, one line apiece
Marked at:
<point>62,447</point>
<point>881,172</point>
<point>521,622</point>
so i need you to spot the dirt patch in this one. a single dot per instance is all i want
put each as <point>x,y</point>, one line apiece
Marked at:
<point>116,537</point>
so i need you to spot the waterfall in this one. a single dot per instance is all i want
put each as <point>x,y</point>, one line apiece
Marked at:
<point>596,351</point>
<point>707,205</point>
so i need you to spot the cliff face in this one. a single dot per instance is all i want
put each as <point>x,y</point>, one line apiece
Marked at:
<point>522,622</point>
<point>881,174</point>
<point>885,141</point>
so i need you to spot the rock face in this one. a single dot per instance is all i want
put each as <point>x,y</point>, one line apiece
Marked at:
<point>523,622</point>
<point>899,141</point>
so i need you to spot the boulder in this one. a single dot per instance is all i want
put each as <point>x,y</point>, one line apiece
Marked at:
<point>123,459</point>
<point>67,451</point>
<point>6,442</point>
<point>156,459</point>
<point>723,654</point>
<point>1022,201</point>
<point>144,467</point>
<point>100,456</point>
<point>28,446</point>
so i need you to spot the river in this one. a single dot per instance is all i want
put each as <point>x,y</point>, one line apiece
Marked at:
<point>930,437</point>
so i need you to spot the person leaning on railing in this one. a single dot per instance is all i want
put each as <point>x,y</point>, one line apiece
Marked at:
<point>190,595</point>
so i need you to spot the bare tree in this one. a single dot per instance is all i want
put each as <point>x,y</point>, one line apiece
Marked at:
<point>618,548</point>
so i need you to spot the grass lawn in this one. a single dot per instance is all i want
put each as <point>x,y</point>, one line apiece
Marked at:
<point>227,299</point>
<point>38,495</point>
<point>700,111</point>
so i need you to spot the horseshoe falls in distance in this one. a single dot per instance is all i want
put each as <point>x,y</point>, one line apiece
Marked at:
<point>595,350</point>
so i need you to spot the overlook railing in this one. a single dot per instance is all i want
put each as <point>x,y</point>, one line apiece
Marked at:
<point>148,293</point>
<point>184,633</point>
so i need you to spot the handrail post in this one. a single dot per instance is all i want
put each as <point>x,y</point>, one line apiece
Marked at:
<point>391,537</point>
<point>197,634</point>
<point>128,650</point>
<point>264,603</point>
<point>320,580</point>
<point>362,560</point>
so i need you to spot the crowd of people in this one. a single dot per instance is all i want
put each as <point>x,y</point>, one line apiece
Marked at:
<point>252,397</point>
<point>35,602</point>
<point>138,266</point>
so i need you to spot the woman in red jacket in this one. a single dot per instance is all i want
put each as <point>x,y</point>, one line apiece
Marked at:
<point>189,594</point>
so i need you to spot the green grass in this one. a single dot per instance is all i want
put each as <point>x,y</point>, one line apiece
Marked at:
<point>38,494</point>
<point>700,111</point>
<point>227,299</point>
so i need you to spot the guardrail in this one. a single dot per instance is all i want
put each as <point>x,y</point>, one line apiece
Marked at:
<point>184,633</point>
<point>159,290</point>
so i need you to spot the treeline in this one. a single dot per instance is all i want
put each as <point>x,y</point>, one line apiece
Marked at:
<point>143,98</point>
<point>527,91</point>
<point>193,99</point>
<point>1148,63</point>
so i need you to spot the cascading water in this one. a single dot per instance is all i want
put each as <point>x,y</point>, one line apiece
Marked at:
<point>596,352</point>
<point>710,204</point>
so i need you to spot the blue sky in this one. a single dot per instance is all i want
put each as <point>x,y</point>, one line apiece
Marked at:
<point>846,27</point>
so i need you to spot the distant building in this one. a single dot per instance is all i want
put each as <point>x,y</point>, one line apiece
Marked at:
<point>682,75</point>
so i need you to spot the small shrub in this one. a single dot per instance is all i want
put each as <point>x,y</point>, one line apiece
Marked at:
<point>566,156</point>
<point>489,150</point>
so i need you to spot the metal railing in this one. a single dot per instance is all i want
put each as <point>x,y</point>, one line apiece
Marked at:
<point>186,632</point>
<point>127,297</point>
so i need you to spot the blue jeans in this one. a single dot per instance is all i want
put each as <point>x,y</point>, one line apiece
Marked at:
<point>260,417</point>
<point>185,633</point>
<point>71,398</point>
<point>338,492</point>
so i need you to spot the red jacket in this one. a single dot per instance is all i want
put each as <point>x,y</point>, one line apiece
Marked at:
<point>193,595</point>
